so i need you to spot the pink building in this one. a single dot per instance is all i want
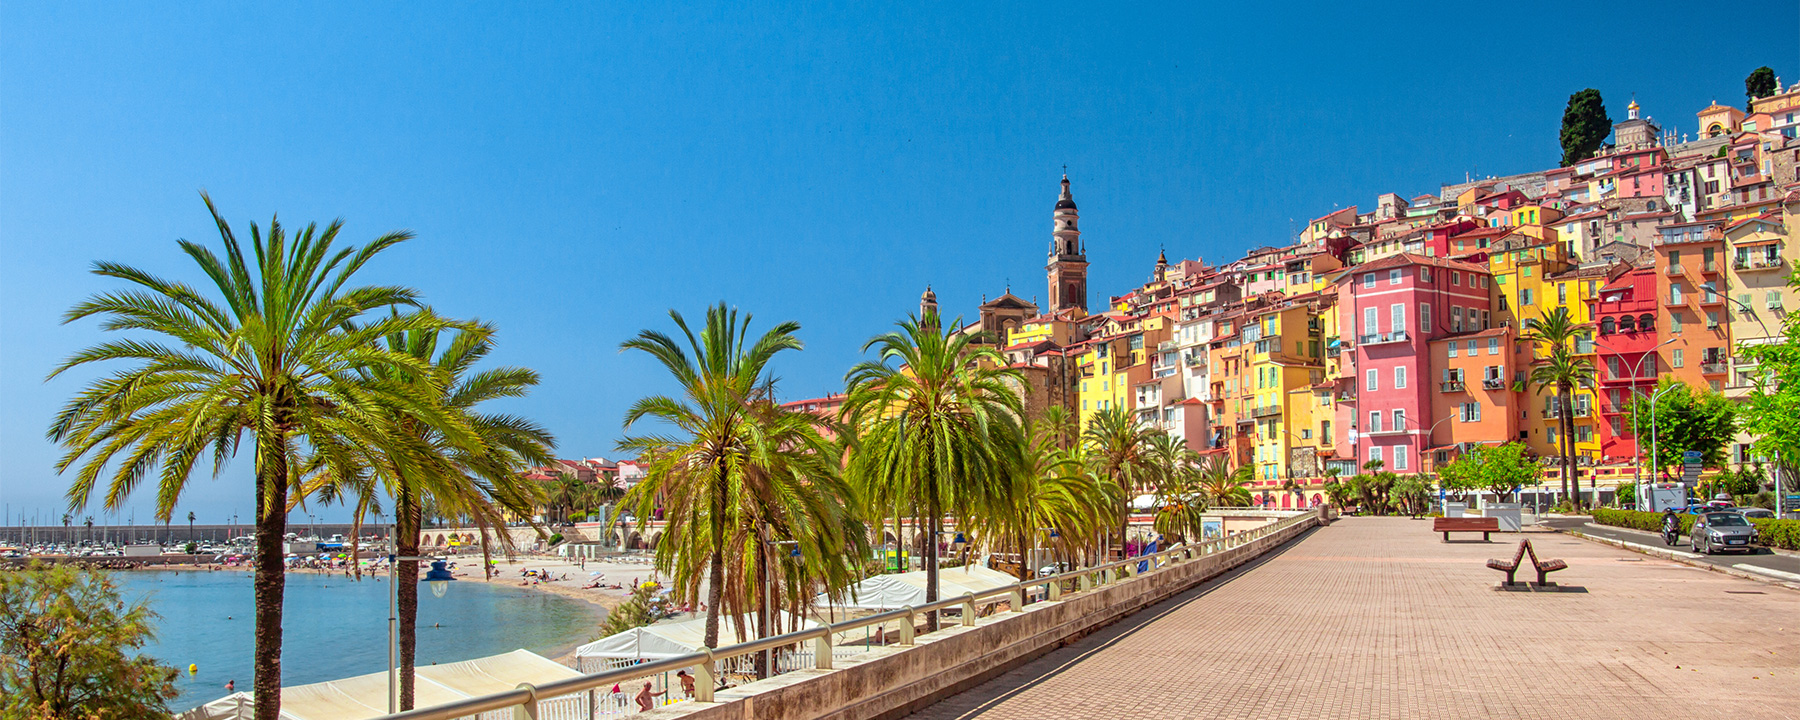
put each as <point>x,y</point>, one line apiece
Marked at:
<point>1391,309</point>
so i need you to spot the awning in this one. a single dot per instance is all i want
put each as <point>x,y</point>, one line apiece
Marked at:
<point>366,696</point>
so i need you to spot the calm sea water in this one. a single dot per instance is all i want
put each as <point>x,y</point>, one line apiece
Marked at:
<point>335,627</point>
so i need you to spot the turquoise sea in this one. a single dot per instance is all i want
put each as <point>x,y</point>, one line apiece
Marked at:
<point>336,627</point>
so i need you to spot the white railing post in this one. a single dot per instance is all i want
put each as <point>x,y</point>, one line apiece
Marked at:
<point>906,628</point>
<point>968,610</point>
<point>1085,582</point>
<point>1054,590</point>
<point>527,710</point>
<point>822,651</point>
<point>706,678</point>
<point>1018,600</point>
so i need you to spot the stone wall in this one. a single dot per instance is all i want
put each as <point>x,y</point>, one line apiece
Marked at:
<point>893,681</point>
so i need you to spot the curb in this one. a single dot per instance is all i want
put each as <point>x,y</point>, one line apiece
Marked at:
<point>1683,558</point>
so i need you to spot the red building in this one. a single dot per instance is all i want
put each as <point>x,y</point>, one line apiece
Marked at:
<point>1625,312</point>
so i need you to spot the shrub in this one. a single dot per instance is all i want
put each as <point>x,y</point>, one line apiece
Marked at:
<point>1784,534</point>
<point>556,539</point>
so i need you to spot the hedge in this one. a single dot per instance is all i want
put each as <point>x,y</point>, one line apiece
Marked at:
<point>1784,534</point>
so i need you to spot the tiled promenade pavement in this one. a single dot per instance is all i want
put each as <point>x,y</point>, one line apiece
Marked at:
<point>1375,618</point>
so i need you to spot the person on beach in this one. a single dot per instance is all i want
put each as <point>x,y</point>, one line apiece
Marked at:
<point>687,682</point>
<point>230,685</point>
<point>647,700</point>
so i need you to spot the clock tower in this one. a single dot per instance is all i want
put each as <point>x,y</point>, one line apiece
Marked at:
<point>1067,269</point>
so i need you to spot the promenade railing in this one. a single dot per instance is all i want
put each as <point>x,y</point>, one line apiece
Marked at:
<point>564,698</point>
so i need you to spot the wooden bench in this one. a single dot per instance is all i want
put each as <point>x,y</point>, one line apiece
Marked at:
<point>1543,567</point>
<point>1483,525</point>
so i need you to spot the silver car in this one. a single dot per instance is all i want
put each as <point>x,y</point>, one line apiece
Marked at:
<point>1718,531</point>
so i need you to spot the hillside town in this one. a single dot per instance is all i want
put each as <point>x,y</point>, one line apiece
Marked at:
<point>1401,334</point>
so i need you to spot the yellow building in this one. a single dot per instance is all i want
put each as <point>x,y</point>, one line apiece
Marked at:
<point>1284,353</point>
<point>1532,277</point>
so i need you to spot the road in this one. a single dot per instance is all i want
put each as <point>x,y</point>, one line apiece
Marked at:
<point>1376,618</point>
<point>1770,565</point>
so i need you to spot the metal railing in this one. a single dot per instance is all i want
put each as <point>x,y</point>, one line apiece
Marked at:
<point>528,700</point>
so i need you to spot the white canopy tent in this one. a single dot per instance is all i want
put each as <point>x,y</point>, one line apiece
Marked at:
<point>898,590</point>
<point>662,640</point>
<point>366,696</point>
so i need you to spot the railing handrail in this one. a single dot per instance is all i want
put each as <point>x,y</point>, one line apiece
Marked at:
<point>528,694</point>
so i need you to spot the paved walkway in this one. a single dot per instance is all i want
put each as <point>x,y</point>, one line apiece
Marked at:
<point>1375,618</point>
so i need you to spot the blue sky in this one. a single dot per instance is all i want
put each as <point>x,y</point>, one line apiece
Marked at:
<point>573,173</point>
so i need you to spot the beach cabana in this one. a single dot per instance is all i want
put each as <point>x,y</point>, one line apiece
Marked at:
<point>898,590</point>
<point>365,696</point>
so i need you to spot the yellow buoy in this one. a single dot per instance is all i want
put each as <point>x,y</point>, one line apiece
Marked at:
<point>193,668</point>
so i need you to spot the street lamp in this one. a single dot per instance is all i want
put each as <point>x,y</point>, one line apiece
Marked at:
<point>1654,469</point>
<point>1711,288</point>
<point>439,578</point>
<point>767,604</point>
<point>1637,468</point>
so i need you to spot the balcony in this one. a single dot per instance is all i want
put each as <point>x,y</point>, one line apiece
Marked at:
<point>1389,431</point>
<point>1758,263</point>
<point>1710,268</point>
<point>1714,368</point>
<point>1397,336</point>
<point>1264,411</point>
<point>1713,299</point>
<point>1452,386</point>
<point>1672,270</point>
<point>1584,410</point>
<point>1493,384</point>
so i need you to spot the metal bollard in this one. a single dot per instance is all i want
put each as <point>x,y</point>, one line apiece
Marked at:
<point>906,628</point>
<point>527,710</point>
<point>706,679</point>
<point>968,610</point>
<point>822,651</point>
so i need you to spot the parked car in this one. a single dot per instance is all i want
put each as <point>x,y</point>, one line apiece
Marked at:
<point>1722,531</point>
<point>1757,513</point>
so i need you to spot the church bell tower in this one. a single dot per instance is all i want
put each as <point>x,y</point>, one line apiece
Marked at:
<point>1067,269</point>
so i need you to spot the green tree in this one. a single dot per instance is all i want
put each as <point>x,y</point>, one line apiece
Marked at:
<point>938,423</point>
<point>1412,494</point>
<point>1559,369</point>
<point>1585,126</point>
<point>461,460</point>
<point>70,648</point>
<point>1687,419</point>
<point>1180,499</point>
<point>1500,470</point>
<point>638,610</point>
<point>1225,486</point>
<point>1760,84</point>
<point>698,473</point>
<point>1771,415</point>
<point>280,353</point>
<point>1118,450</point>
<point>1052,500</point>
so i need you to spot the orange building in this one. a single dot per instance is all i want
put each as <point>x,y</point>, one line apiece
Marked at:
<point>1474,401</point>
<point>1690,274</point>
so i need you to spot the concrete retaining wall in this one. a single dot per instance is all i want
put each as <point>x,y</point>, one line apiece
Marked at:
<point>893,681</point>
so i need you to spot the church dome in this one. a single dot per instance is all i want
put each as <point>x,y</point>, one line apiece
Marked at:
<point>1065,201</point>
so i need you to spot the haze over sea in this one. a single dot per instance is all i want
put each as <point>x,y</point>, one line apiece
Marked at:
<point>335,627</point>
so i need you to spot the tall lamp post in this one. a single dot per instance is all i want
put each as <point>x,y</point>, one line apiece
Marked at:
<point>1637,468</point>
<point>439,578</point>
<point>1655,470</point>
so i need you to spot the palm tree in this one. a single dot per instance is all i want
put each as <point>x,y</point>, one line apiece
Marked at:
<point>278,354</point>
<point>938,429</point>
<point>1118,450</point>
<point>465,462</point>
<point>1052,496</point>
<point>1180,501</point>
<point>1562,371</point>
<point>191,527</point>
<point>699,474</point>
<point>1224,485</point>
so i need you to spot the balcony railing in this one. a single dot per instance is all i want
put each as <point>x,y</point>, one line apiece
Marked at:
<point>1401,430</point>
<point>1583,410</point>
<point>1493,384</point>
<point>1672,270</point>
<point>1713,368</point>
<point>1397,336</point>
<point>1452,386</point>
<point>1758,263</point>
<point>1263,411</point>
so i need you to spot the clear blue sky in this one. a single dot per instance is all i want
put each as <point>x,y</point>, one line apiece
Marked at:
<point>573,173</point>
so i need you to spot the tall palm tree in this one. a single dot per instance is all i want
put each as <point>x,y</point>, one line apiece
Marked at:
<point>1118,450</point>
<point>1224,485</point>
<point>1180,500</point>
<point>938,425</point>
<point>1563,371</point>
<point>698,474</point>
<point>464,462</point>
<point>1052,498</point>
<point>278,353</point>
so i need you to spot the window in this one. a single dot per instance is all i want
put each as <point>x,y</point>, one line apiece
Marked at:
<point>1425,274</point>
<point>1677,358</point>
<point>1450,349</point>
<point>1774,299</point>
<point>1456,278</point>
<point>1400,419</point>
<point>1424,317</point>
<point>1374,380</point>
<point>1400,457</point>
<point>1712,318</point>
<point>1484,320</point>
<point>1550,432</point>
<point>1399,376</point>
<point>1584,433</point>
<point>1370,326</point>
<point>1470,346</point>
<point>1471,412</point>
<point>1305,433</point>
<point>1375,453</point>
<point>1369,280</point>
<point>1394,276</point>
<point>1493,346</point>
<point>1456,319</point>
<point>1374,421</point>
<point>1614,368</point>
<point>1397,318</point>
<point>1562,293</point>
<point>1675,322</point>
<point>1674,258</point>
<point>1525,296</point>
<point>1607,326</point>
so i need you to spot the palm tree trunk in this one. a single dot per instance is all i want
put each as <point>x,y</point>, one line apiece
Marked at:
<point>932,520</point>
<point>410,518</point>
<point>271,578</point>
<point>763,668</point>
<point>1567,421</point>
<point>715,566</point>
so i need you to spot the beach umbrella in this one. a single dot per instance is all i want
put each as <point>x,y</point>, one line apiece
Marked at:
<point>595,573</point>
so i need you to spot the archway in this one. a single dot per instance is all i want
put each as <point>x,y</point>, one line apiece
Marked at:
<point>655,538</point>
